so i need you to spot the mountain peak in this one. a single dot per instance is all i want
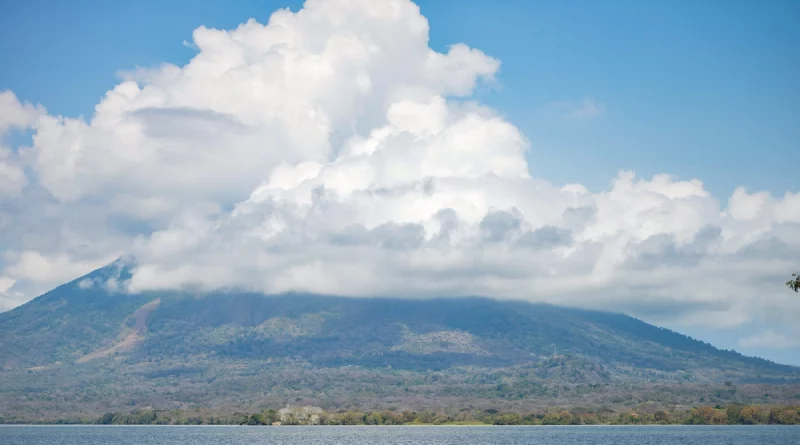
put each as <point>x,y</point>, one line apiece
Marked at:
<point>232,342</point>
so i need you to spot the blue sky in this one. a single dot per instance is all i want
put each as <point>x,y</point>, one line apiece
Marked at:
<point>697,89</point>
<point>704,90</point>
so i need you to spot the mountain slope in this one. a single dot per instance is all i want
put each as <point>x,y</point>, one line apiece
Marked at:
<point>67,322</point>
<point>222,347</point>
<point>80,320</point>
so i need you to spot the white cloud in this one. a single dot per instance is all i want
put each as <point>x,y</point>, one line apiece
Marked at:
<point>8,297</point>
<point>12,178</point>
<point>320,152</point>
<point>769,339</point>
<point>33,266</point>
<point>14,114</point>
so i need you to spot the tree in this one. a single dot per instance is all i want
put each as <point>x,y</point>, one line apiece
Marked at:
<point>749,415</point>
<point>794,283</point>
<point>661,416</point>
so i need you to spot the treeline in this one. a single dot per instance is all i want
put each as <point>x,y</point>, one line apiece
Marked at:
<point>704,415</point>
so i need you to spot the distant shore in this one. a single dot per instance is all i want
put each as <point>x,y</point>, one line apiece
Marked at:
<point>733,414</point>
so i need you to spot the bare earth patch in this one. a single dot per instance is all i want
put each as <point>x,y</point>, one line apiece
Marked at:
<point>131,337</point>
<point>440,341</point>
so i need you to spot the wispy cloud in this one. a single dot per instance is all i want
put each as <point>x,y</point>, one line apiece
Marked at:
<point>768,339</point>
<point>584,109</point>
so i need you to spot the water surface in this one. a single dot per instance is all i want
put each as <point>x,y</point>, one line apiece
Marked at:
<point>400,435</point>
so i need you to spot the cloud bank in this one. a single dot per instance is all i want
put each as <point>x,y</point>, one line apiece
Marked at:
<point>331,150</point>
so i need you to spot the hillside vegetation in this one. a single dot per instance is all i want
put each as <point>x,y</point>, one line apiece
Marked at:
<point>85,348</point>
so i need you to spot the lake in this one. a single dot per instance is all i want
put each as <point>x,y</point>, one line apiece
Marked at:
<point>401,435</point>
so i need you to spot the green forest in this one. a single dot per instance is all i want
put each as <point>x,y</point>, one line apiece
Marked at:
<point>734,414</point>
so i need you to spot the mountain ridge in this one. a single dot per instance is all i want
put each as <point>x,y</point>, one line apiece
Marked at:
<point>86,339</point>
<point>82,296</point>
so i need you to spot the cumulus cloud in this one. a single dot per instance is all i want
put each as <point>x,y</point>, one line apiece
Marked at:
<point>12,178</point>
<point>33,266</point>
<point>13,116</point>
<point>321,152</point>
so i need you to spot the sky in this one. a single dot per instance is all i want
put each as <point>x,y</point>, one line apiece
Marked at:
<point>634,156</point>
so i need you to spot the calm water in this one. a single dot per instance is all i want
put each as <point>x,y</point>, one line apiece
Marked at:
<point>550,435</point>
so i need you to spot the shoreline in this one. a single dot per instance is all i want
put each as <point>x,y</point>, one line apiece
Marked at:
<point>77,425</point>
<point>733,414</point>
